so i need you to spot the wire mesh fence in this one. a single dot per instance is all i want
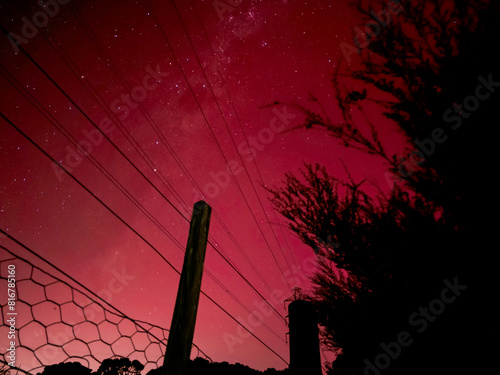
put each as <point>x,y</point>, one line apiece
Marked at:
<point>56,322</point>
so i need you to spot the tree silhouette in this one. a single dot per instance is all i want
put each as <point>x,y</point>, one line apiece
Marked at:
<point>366,287</point>
<point>120,366</point>
<point>65,368</point>
<point>201,366</point>
<point>424,62</point>
<point>197,366</point>
<point>422,68</point>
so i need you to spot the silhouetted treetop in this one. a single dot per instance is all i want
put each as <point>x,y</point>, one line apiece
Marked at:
<point>120,366</point>
<point>123,366</point>
<point>66,368</point>
<point>201,366</point>
<point>423,62</point>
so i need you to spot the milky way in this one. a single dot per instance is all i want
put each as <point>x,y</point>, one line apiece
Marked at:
<point>175,124</point>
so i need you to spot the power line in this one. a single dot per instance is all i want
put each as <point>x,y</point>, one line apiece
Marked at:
<point>117,184</point>
<point>88,31</point>
<point>236,147</point>
<point>234,144</point>
<point>77,283</point>
<point>96,42</point>
<point>90,88</point>
<point>85,115</point>
<point>130,227</point>
<point>213,134</point>
<point>238,118</point>
<point>66,275</point>
<point>89,156</point>
<point>133,165</point>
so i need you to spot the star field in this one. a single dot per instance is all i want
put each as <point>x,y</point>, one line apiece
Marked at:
<point>177,90</point>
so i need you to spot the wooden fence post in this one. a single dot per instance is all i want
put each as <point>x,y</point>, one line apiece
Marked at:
<point>181,334</point>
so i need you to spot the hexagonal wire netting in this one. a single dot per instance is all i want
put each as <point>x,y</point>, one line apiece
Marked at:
<point>56,322</point>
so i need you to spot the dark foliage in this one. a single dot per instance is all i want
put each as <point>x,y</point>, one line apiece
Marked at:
<point>120,366</point>
<point>123,366</point>
<point>66,368</point>
<point>200,366</point>
<point>110,366</point>
<point>394,252</point>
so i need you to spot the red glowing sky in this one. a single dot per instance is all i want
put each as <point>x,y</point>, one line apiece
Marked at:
<point>264,51</point>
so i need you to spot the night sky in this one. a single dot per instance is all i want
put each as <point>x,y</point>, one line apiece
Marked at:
<point>180,116</point>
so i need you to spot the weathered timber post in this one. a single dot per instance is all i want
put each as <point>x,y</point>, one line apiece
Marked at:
<point>181,334</point>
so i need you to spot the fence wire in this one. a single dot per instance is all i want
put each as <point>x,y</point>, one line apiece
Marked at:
<point>56,322</point>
